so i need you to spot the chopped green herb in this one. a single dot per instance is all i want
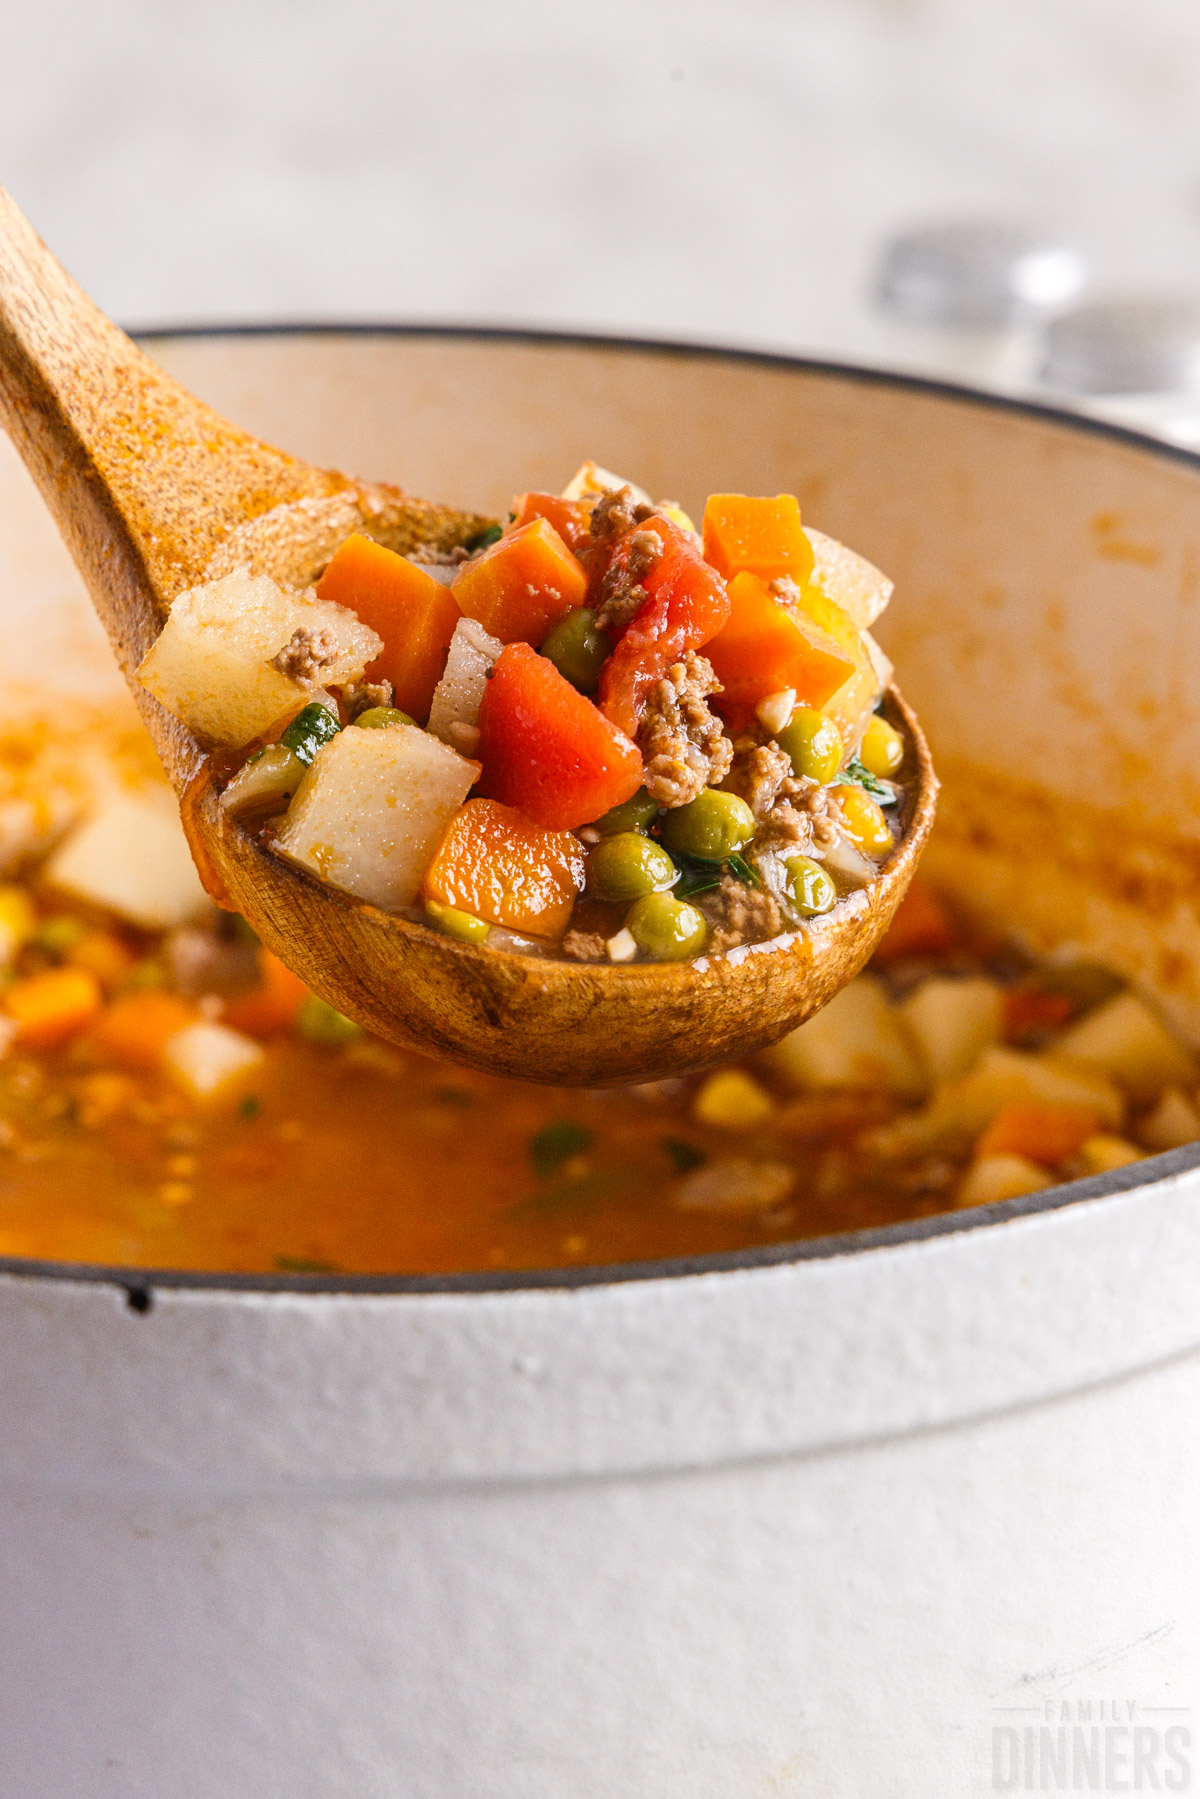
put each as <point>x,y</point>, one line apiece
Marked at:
<point>249,1106</point>
<point>555,1144</point>
<point>741,869</point>
<point>493,534</point>
<point>303,1265</point>
<point>855,774</point>
<point>308,731</point>
<point>697,874</point>
<point>684,1155</point>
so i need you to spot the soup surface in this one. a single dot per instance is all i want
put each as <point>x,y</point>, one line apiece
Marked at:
<point>171,1096</point>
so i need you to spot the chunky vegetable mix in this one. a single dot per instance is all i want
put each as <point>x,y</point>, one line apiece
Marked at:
<point>596,733</point>
<point>171,1095</point>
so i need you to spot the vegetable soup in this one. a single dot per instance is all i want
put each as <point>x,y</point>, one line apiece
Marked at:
<point>170,1095</point>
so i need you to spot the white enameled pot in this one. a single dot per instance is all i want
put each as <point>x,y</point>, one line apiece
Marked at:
<point>910,1514</point>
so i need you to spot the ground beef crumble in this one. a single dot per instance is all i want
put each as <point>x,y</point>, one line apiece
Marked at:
<point>683,745</point>
<point>584,946</point>
<point>622,594</point>
<point>615,513</point>
<point>363,696</point>
<point>740,914</point>
<point>761,773</point>
<point>309,651</point>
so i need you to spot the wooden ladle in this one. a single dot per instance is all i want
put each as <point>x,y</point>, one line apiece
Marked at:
<point>154,493</point>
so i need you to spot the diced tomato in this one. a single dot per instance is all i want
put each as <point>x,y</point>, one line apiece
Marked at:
<point>921,926</point>
<point>1030,1012</point>
<point>767,647</point>
<point>568,517</point>
<point>414,614</point>
<point>520,588</point>
<point>746,535</point>
<point>496,863</point>
<point>546,749</point>
<point>687,607</point>
<point>1046,1134</point>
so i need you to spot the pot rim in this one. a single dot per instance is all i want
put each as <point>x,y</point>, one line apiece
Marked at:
<point>139,1282</point>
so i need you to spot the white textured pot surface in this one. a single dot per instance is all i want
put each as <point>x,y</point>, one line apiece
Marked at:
<point>844,1523</point>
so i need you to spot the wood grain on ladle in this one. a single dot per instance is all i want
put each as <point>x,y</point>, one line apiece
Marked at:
<point>153,493</point>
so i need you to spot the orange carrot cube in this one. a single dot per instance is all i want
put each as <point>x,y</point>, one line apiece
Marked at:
<point>520,588</point>
<point>1045,1134</point>
<point>744,535</point>
<point>133,1029</point>
<point>766,647</point>
<point>48,1008</point>
<point>568,517</point>
<point>497,864</point>
<point>414,614</point>
<point>272,1005</point>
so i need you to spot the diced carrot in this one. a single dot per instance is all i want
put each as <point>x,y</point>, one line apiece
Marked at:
<point>568,517</point>
<point>1029,1012</point>
<point>756,536</point>
<point>497,864</point>
<point>48,1008</point>
<point>687,606</point>
<point>546,749</point>
<point>414,614</point>
<point>1046,1134</point>
<point>272,1005</point>
<point>921,926</point>
<point>103,954</point>
<point>133,1029</point>
<point>520,588</point>
<point>767,647</point>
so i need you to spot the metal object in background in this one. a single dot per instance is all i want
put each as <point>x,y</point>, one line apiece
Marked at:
<point>982,274</point>
<point>1127,346</point>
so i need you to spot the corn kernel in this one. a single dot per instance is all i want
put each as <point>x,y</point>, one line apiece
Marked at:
<point>863,820</point>
<point>1104,1152</point>
<point>732,1101</point>
<point>882,748</point>
<point>17,921</point>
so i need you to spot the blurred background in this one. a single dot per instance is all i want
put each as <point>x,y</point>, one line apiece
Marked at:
<point>776,173</point>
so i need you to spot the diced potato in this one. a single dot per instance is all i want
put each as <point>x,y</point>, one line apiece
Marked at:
<point>856,584</point>
<point>211,665</point>
<point>590,481</point>
<point>205,1057</point>
<point>735,1186</point>
<point>952,1023</point>
<point>857,1040</point>
<point>994,1178</point>
<point>1130,1043</point>
<point>372,809</point>
<point>459,694</point>
<point>1173,1122</point>
<point>1001,1077</point>
<point>732,1100</point>
<point>1102,1153</point>
<point>847,862</point>
<point>131,857</point>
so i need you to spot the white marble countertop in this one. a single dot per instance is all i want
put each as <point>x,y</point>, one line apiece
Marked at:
<point>722,169</point>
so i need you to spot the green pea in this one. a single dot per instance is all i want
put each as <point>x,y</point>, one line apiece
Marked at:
<point>324,1024</point>
<point>811,890</point>
<point>666,928</point>
<point>636,814</point>
<point>714,825</point>
<point>463,925</point>
<point>309,729</point>
<point>578,649</point>
<point>626,866</point>
<point>814,744</point>
<point>377,718</point>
